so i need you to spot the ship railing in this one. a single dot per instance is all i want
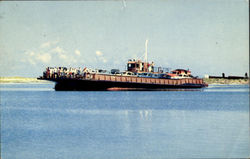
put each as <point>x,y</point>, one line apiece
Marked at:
<point>118,78</point>
<point>146,80</point>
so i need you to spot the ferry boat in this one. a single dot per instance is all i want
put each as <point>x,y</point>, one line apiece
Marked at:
<point>140,75</point>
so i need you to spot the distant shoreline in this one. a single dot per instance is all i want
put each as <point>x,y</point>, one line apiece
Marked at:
<point>21,80</point>
<point>206,80</point>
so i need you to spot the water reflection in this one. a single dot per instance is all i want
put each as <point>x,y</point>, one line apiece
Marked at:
<point>124,124</point>
<point>135,121</point>
<point>145,114</point>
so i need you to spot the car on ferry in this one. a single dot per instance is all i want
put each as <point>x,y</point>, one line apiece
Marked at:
<point>145,75</point>
<point>128,73</point>
<point>101,71</point>
<point>162,76</point>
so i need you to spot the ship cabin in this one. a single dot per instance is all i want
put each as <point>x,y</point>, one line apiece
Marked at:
<point>180,73</point>
<point>138,66</point>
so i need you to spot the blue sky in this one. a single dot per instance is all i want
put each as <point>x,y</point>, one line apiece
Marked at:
<point>206,36</point>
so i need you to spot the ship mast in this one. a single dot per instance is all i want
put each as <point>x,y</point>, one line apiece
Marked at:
<point>146,51</point>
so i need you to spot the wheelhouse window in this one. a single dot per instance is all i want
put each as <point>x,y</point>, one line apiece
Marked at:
<point>131,65</point>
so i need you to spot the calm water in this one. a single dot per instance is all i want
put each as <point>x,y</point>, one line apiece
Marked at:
<point>40,123</point>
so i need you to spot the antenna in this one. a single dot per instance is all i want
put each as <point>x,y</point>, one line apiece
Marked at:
<point>146,51</point>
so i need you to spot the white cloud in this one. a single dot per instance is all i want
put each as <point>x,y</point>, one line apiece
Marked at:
<point>58,50</point>
<point>45,58</point>
<point>48,44</point>
<point>31,53</point>
<point>31,61</point>
<point>77,52</point>
<point>30,57</point>
<point>63,56</point>
<point>98,53</point>
<point>100,57</point>
<point>33,57</point>
<point>45,45</point>
<point>56,54</point>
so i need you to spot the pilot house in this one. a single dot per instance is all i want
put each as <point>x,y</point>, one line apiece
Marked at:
<point>137,66</point>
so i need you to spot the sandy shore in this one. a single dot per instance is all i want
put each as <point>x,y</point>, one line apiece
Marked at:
<point>226,81</point>
<point>20,80</point>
